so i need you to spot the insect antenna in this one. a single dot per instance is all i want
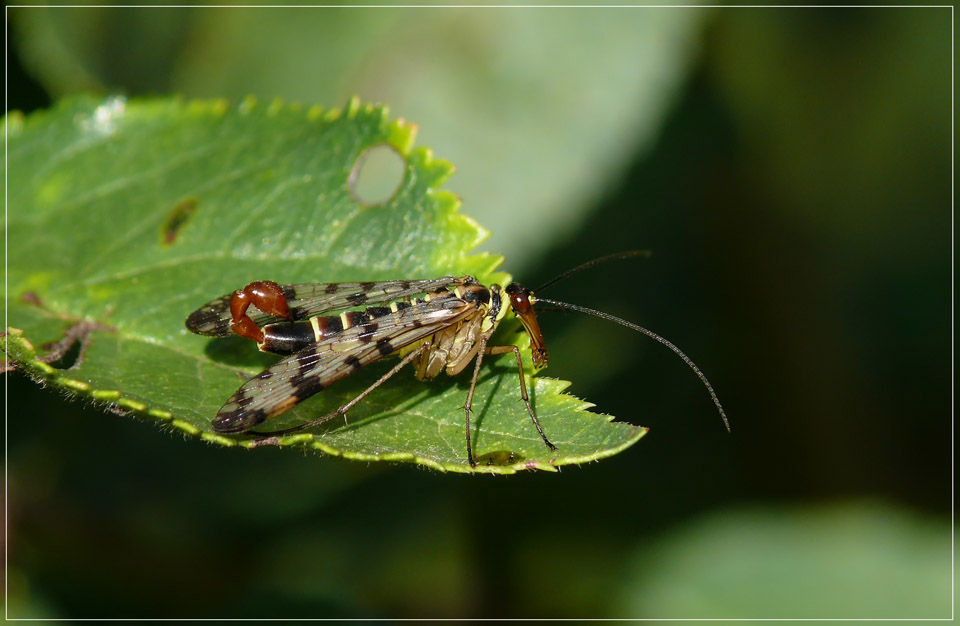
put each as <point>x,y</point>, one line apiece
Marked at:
<point>589,264</point>
<point>640,329</point>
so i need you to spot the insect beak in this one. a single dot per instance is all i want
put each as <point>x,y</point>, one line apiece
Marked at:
<point>521,301</point>
<point>537,346</point>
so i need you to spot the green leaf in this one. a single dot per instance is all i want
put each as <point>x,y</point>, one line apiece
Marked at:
<point>579,92</point>
<point>842,561</point>
<point>126,216</point>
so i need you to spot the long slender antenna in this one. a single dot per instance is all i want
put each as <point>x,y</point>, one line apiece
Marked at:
<point>588,264</point>
<point>648,333</point>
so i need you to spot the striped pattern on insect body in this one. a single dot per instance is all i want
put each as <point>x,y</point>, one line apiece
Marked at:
<point>437,325</point>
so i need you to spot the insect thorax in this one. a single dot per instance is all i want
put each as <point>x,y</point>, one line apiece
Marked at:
<point>455,346</point>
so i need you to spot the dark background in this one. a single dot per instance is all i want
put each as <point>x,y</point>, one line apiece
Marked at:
<point>797,200</point>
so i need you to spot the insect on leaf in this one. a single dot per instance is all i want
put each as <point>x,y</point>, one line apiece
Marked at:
<point>125,216</point>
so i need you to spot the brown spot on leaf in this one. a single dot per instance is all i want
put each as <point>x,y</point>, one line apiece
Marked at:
<point>177,219</point>
<point>30,297</point>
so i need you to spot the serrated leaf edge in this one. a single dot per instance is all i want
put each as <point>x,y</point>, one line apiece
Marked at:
<point>401,135</point>
<point>24,355</point>
<point>310,441</point>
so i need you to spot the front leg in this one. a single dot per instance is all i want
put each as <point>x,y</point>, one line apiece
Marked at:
<point>468,406</point>
<point>523,387</point>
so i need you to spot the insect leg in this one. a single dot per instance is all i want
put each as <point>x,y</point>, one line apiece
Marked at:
<point>523,387</point>
<point>342,411</point>
<point>468,405</point>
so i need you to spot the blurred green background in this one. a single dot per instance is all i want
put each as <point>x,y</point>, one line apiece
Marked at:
<point>790,169</point>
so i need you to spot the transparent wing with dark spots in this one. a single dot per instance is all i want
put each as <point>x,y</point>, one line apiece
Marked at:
<point>309,299</point>
<point>299,376</point>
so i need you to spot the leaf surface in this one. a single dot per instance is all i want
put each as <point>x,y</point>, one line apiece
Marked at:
<point>126,216</point>
<point>580,92</point>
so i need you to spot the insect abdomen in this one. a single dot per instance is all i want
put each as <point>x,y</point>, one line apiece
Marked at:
<point>287,338</point>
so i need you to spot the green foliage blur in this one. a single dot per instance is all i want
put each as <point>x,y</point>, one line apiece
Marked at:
<point>790,170</point>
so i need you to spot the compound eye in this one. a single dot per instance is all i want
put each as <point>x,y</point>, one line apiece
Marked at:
<point>519,299</point>
<point>520,303</point>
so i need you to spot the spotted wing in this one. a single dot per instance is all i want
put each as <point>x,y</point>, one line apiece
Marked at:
<point>309,299</point>
<point>304,373</point>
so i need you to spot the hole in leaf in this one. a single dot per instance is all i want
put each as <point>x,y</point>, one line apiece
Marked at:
<point>177,219</point>
<point>377,175</point>
<point>65,356</point>
<point>68,352</point>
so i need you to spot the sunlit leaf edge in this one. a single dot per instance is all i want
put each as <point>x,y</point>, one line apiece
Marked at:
<point>401,136</point>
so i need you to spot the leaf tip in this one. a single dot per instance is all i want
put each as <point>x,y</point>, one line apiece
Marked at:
<point>160,414</point>
<point>275,106</point>
<point>315,113</point>
<point>248,105</point>
<point>217,106</point>
<point>110,395</point>
<point>186,427</point>
<point>73,384</point>
<point>402,135</point>
<point>482,234</point>
<point>218,439</point>
<point>131,405</point>
<point>352,108</point>
<point>436,170</point>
